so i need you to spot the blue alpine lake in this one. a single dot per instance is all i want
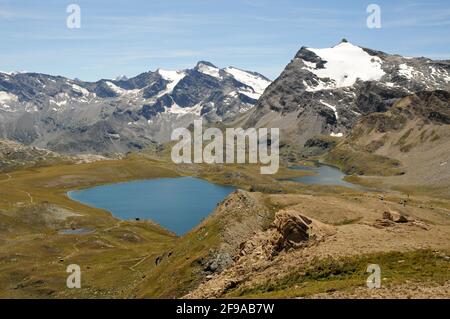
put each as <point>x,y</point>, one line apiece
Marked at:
<point>323,175</point>
<point>177,204</point>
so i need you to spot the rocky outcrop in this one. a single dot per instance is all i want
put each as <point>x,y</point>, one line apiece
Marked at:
<point>395,216</point>
<point>290,230</point>
<point>393,219</point>
<point>319,145</point>
<point>293,228</point>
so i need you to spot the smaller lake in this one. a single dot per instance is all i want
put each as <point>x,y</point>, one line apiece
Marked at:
<point>177,204</point>
<point>323,175</point>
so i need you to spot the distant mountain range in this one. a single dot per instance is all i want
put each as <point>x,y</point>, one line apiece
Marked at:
<point>109,116</point>
<point>321,91</point>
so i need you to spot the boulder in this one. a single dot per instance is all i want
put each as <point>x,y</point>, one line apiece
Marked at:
<point>293,228</point>
<point>395,216</point>
<point>217,262</point>
<point>290,229</point>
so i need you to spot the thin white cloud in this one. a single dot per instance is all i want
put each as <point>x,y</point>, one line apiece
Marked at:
<point>16,15</point>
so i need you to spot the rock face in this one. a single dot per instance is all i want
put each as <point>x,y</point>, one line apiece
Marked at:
<point>293,228</point>
<point>218,262</point>
<point>289,230</point>
<point>109,116</point>
<point>325,91</point>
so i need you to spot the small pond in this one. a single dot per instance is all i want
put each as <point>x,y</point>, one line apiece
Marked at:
<point>323,175</point>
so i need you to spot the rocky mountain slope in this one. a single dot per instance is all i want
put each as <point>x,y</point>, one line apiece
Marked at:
<point>120,115</point>
<point>414,133</point>
<point>14,156</point>
<point>325,91</point>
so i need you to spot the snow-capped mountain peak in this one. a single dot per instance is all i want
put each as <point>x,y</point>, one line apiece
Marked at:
<point>208,69</point>
<point>345,63</point>
<point>328,90</point>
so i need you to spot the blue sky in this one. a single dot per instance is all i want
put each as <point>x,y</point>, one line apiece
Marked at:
<point>129,37</point>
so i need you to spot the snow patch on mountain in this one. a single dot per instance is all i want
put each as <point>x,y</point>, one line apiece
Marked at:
<point>336,134</point>
<point>176,109</point>
<point>12,73</point>
<point>79,89</point>
<point>7,97</point>
<point>346,63</point>
<point>331,107</point>
<point>310,65</point>
<point>173,77</point>
<point>115,88</point>
<point>209,70</point>
<point>438,73</point>
<point>59,101</point>
<point>120,91</point>
<point>318,87</point>
<point>29,108</point>
<point>258,83</point>
<point>251,94</point>
<point>406,71</point>
<point>5,100</point>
